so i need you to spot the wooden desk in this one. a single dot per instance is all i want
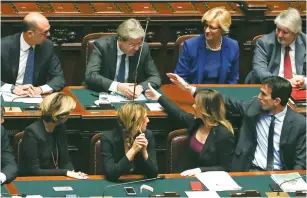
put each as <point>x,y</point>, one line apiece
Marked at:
<point>12,189</point>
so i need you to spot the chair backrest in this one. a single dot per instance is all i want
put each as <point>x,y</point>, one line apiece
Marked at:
<point>95,162</point>
<point>181,39</point>
<point>256,38</point>
<point>17,146</point>
<point>88,43</point>
<point>175,150</point>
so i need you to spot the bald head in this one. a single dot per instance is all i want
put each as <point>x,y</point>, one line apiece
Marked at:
<point>34,21</point>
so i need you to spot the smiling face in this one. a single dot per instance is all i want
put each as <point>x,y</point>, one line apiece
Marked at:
<point>131,46</point>
<point>212,30</point>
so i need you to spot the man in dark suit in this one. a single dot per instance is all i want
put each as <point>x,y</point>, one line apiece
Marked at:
<point>112,64</point>
<point>272,135</point>
<point>29,65</point>
<point>282,52</point>
<point>9,167</point>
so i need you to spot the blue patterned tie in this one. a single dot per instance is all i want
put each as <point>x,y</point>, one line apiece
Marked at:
<point>28,77</point>
<point>121,71</point>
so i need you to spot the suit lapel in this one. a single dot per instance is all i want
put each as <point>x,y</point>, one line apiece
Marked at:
<point>15,51</point>
<point>112,56</point>
<point>276,65</point>
<point>286,127</point>
<point>300,53</point>
<point>224,63</point>
<point>201,60</point>
<point>38,58</point>
<point>209,141</point>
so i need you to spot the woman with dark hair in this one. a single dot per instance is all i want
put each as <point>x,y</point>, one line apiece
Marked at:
<point>210,144</point>
<point>44,144</point>
<point>129,148</point>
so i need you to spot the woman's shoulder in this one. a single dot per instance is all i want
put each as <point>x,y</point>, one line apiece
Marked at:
<point>222,131</point>
<point>195,40</point>
<point>35,128</point>
<point>230,41</point>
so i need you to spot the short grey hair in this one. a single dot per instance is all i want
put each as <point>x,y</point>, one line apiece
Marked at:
<point>290,19</point>
<point>130,28</point>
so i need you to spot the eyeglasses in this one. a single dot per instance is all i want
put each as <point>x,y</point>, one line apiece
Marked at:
<point>211,28</point>
<point>45,32</point>
<point>136,45</point>
<point>278,30</point>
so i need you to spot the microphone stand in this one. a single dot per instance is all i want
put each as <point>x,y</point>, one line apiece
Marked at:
<point>137,65</point>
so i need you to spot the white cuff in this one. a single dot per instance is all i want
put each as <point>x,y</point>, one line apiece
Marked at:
<point>113,86</point>
<point>46,89</point>
<point>193,90</point>
<point>2,177</point>
<point>6,88</point>
<point>305,82</point>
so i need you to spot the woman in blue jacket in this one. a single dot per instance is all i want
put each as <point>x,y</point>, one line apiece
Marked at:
<point>210,58</point>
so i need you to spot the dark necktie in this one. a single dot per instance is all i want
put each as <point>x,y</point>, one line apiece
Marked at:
<point>287,64</point>
<point>28,76</point>
<point>270,156</point>
<point>121,71</point>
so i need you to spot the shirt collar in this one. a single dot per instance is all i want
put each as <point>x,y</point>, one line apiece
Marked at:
<point>281,115</point>
<point>292,45</point>
<point>24,46</point>
<point>119,51</point>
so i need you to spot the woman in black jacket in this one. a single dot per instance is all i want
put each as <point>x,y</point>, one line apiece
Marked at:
<point>44,144</point>
<point>210,144</point>
<point>129,148</point>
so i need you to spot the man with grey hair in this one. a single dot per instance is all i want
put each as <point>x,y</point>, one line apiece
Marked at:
<point>282,52</point>
<point>29,65</point>
<point>112,64</point>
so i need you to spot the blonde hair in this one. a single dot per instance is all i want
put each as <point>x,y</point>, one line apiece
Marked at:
<point>290,19</point>
<point>220,14</point>
<point>57,104</point>
<point>131,116</point>
<point>130,28</point>
<point>212,108</point>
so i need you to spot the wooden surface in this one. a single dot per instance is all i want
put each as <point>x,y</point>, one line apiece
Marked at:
<point>13,190</point>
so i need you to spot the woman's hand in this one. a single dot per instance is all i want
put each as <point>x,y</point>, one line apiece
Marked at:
<point>191,172</point>
<point>141,139</point>
<point>77,175</point>
<point>151,93</point>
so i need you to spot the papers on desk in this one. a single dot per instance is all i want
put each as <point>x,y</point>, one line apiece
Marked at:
<point>218,181</point>
<point>9,97</point>
<point>197,194</point>
<point>116,97</point>
<point>296,183</point>
<point>154,106</point>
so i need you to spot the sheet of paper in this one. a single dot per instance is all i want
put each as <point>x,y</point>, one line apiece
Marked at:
<point>154,107</point>
<point>290,182</point>
<point>116,97</point>
<point>9,97</point>
<point>63,188</point>
<point>197,194</point>
<point>218,181</point>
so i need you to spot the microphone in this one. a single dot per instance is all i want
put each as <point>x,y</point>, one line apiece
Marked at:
<point>32,107</point>
<point>286,181</point>
<point>138,63</point>
<point>132,182</point>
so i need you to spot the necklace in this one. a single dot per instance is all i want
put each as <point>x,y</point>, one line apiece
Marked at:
<point>217,49</point>
<point>55,161</point>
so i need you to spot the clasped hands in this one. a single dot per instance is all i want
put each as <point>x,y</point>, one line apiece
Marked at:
<point>27,90</point>
<point>77,175</point>
<point>127,90</point>
<point>140,144</point>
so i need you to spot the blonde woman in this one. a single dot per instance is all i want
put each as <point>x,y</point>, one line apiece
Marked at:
<point>45,150</point>
<point>210,58</point>
<point>129,148</point>
<point>210,144</point>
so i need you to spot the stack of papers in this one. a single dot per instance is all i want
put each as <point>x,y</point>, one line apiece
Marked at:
<point>154,106</point>
<point>218,181</point>
<point>290,182</point>
<point>9,97</point>
<point>116,97</point>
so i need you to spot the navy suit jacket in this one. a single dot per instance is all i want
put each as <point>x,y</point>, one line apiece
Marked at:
<point>193,58</point>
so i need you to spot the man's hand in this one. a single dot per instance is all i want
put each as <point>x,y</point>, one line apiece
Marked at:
<point>37,91</point>
<point>24,90</point>
<point>138,90</point>
<point>124,88</point>
<point>151,93</point>
<point>177,80</point>
<point>297,81</point>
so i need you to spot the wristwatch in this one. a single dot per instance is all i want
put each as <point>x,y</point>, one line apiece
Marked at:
<point>12,88</point>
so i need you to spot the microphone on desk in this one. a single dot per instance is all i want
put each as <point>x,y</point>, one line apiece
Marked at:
<point>278,186</point>
<point>138,63</point>
<point>31,108</point>
<point>133,182</point>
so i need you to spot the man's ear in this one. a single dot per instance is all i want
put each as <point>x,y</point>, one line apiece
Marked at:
<point>277,100</point>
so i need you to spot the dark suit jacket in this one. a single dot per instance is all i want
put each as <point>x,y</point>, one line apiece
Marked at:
<point>8,164</point>
<point>217,152</point>
<point>36,159</point>
<point>115,161</point>
<point>101,67</point>
<point>266,61</point>
<point>193,59</point>
<point>292,140</point>
<point>47,67</point>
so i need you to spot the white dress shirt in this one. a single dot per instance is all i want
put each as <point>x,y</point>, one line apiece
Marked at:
<point>24,51</point>
<point>2,177</point>
<point>113,86</point>
<point>262,129</point>
<point>292,58</point>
